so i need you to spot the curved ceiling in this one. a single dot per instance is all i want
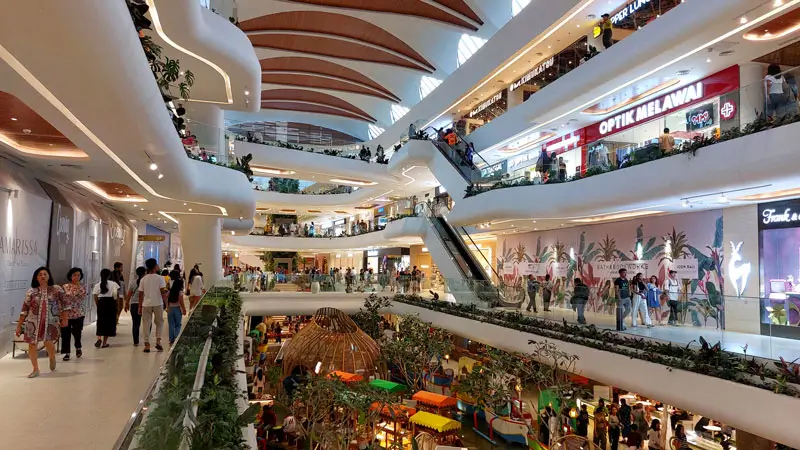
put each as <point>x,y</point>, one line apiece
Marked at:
<point>316,73</point>
<point>454,12</point>
<point>22,129</point>
<point>332,35</point>
<point>311,101</point>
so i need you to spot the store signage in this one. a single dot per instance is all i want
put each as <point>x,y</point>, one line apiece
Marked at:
<point>566,142</point>
<point>700,117</point>
<point>610,269</point>
<point>372,253</point>
<point>728,110</point>
<point>500,167</point>
<point>629,9</point>
<point>150,238</point>
<point>535,269</point>
<point>492,100</point>
<point>522,159</point>
<point>538,70</point>
<point>686,268</point>
<point>663,105</point>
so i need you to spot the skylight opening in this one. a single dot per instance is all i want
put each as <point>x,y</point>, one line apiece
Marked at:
<point>397,112</point>
<point>427,85</point>
<point>467,46</point>
<point>373,131</point>
<point>517,6</point>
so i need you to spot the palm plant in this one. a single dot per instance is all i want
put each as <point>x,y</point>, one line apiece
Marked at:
<point>676,246</point>
<point>519,254</point>
<point>645,251</point>
<point>608,250</point>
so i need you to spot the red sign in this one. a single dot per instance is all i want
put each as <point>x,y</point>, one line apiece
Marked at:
<point>712,86</point>
<point>566,142</point>
<point>728,110</point>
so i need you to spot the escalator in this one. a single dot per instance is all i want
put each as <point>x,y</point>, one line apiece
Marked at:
<point>474,169</point>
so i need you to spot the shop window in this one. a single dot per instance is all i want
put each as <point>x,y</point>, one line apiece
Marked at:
<point>467,46</point>
<point>517,6</point>
<point>373,131</point>
<point>397,112</point>
<point>427,85</point>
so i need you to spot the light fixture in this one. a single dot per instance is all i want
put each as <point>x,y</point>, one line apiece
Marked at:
<point>708,60</point>
<point>160,176</point>
<point>153,166</point>
<point>685,204</point>
<point>723,199</point>
<point>14,119</point>
<point>777,3</point>
<point>743,20</point>
<point>135,206</point>
<point>190,209</point>
<point>233,233</point>
<point>246,92</point>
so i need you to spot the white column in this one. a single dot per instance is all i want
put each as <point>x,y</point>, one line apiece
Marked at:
<point>742,314</point>
<point>751,91</point>
<point>207,122</point>
<point>201,237</point>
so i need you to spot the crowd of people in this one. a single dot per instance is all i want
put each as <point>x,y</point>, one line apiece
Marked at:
<point>51,311</point>
<point>311,229</point>
<point>364,153</point>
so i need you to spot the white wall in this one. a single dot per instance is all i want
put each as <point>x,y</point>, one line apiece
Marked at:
<point>741,225</point>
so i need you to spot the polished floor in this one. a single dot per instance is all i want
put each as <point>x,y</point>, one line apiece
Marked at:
<point>756,344</point>
<point>84,404</point>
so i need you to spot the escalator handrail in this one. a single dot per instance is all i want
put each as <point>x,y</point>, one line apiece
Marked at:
<point>428,212</point>
<point>455,164</point>
<point>475,154</point>
<point>488,263</point>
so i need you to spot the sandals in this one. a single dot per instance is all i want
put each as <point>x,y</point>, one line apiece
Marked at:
<point>105,346</point>
<point>33,374</point>
<point>98,343</point>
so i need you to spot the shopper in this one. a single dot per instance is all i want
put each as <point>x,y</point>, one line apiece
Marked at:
<point>583,422</point>
<point>74,297</point>
<point>151,303</point>
<point>562,169</point>
<point>623,288</point>
<point>105,298</point>
<point>196,287</point>
<point>638,417</point>
<point>613,427</point>
<point>41,317</point>
<point>608,33</point>
<point>117,277</point>
<point>547,292</point>
<point>176,307</point>
<point>673,288</point>
<point>653,300</point>
<point>600,425</point>
<point>132,304</point>
<point>634,440</point>
<point>533,286</point>
<point>654,435</point>
<point>680,437</point>
<point>580,297</point>
<point>778,92</point>
<point>666,143</point>
<point>640,302</point>
<point>624,415</point>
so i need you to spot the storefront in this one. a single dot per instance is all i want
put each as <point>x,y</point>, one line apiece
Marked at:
<point>779,256</point>
<point>703,108</point>
<point>390,260</point>
<point>486,111</point>
<point>548,71</point>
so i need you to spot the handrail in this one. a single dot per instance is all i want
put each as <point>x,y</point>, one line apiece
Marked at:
<point>489,263</point>
<point>430,214</point>
<point>189,418</point>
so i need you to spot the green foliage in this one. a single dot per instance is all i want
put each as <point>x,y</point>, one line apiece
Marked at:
<point>269,261</point>
<point>286,185</point>
<point>414,347</point>
<point>369,317</point>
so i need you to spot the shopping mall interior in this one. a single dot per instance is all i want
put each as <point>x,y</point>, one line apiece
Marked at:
<point>374,224</point>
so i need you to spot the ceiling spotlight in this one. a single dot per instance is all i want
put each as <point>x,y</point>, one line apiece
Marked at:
<point>14,119</point>
<point>723,199</point>
<point>777,3</point>
<point>708,60</point>
<point>160,176</point>
<point>241,217</point>
<point>246,92</point>
<point>190,209</point>
<point>184,203</point>
<point>153,166</point>
<point>743,20</point>
<point>135,206</point>
<point>685,204</point>
<point>233,233</point>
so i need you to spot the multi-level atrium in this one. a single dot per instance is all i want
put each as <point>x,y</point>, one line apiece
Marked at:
<point>424,223</point>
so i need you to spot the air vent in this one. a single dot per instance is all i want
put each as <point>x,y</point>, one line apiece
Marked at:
<point>72,166</point>
<point>683,72</point>
<point>727,53</point>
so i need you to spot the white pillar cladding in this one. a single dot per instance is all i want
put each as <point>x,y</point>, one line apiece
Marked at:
<point>207,122</point>
<point>202,243</point>
<point>751,93</point>
<point>741,228</point>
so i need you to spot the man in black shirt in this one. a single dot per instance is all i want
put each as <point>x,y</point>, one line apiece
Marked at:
<point>623,287</point>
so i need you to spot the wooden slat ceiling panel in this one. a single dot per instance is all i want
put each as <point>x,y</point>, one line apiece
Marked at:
<point>42,135</point>
<point>311,96</point>
<point>330,24</point>
<point>115,189</point>
<point>311,81</point>
<point>304,107</point>
<point>460,6</point>
<point>414,8</point>
<point>322,67</point>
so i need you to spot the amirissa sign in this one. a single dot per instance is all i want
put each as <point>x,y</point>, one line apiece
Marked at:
<point>708,88</point>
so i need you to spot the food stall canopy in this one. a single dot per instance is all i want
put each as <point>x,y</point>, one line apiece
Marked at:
<point>429,398</point>
<point>387,386</point>
<point>395,411</point>
<point>435,422</point>
<point>345,377</point>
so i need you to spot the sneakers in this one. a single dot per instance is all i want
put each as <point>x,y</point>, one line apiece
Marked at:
<point>78,353</point>
<point>66,357</point>
<point>147,348</point>
<point>159,348</point>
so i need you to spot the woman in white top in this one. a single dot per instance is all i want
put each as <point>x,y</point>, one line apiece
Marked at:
<point>778,99</point>
<point>654,435</point>
<point>196,288</point>
<point>105,298</point>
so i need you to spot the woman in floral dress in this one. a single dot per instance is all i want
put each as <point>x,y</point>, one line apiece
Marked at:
<point>41,317</point>
<point>74,306</point>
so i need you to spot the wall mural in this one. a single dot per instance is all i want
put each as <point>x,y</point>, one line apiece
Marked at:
<point>690,243</point>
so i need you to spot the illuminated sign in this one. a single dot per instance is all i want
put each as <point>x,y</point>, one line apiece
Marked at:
<point>642,113</point>
<point>772,216</point>
<point>566,142</point>
<point>728,110</point>
<point>492,100</point>
<point>372,253</point>
<point>784,214</point>
<point>538,70</point>
<point>738,271</point>
<point>629,9</point>
<point>700,117</point>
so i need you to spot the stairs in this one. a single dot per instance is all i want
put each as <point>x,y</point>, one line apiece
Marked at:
<point>286,287</point>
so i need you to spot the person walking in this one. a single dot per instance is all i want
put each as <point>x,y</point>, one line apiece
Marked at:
<point>41,317</point>
<point>132,304</point>
<point>580,297</point>
<point>74,309</point>
<point>673,288</point>
<point>196,287</point>
<point>117,277</point>
<point>176,307</point>
<point>533,286</point>
<point>600,425</point>
<point>640,303</point>
<point>583,422</point>
<point>623,288</point>
<point>105,298</point>
<point>624,415</point>
<point>151,303</point>
<point>634,439</point>
<point>613,427</point>
<point>654,435</point>
<point>547,292</point>
<point>653,300</point>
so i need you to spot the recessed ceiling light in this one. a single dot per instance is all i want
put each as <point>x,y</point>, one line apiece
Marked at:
<point>160,176</point>
<point>135,206</point>
<point>743,20</point>
<point>14,119</point>
<point>184,203</point>
<point>246,92</point>
<point>777,3</point>
<point>153,166</point>
<point>190,209</point>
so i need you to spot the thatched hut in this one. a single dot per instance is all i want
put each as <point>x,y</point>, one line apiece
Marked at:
<point>334,342</point>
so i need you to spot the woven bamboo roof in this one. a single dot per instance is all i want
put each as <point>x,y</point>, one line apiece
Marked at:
<point>335,342</point>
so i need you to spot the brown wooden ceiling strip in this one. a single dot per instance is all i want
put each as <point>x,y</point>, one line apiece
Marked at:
<point>311,81</point>
<point>461,7</point>
<point>311,96</point>
<point>304,107</point>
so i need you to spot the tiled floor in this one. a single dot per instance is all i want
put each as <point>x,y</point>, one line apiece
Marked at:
<point>84,404</point>
<point>757,345</point>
